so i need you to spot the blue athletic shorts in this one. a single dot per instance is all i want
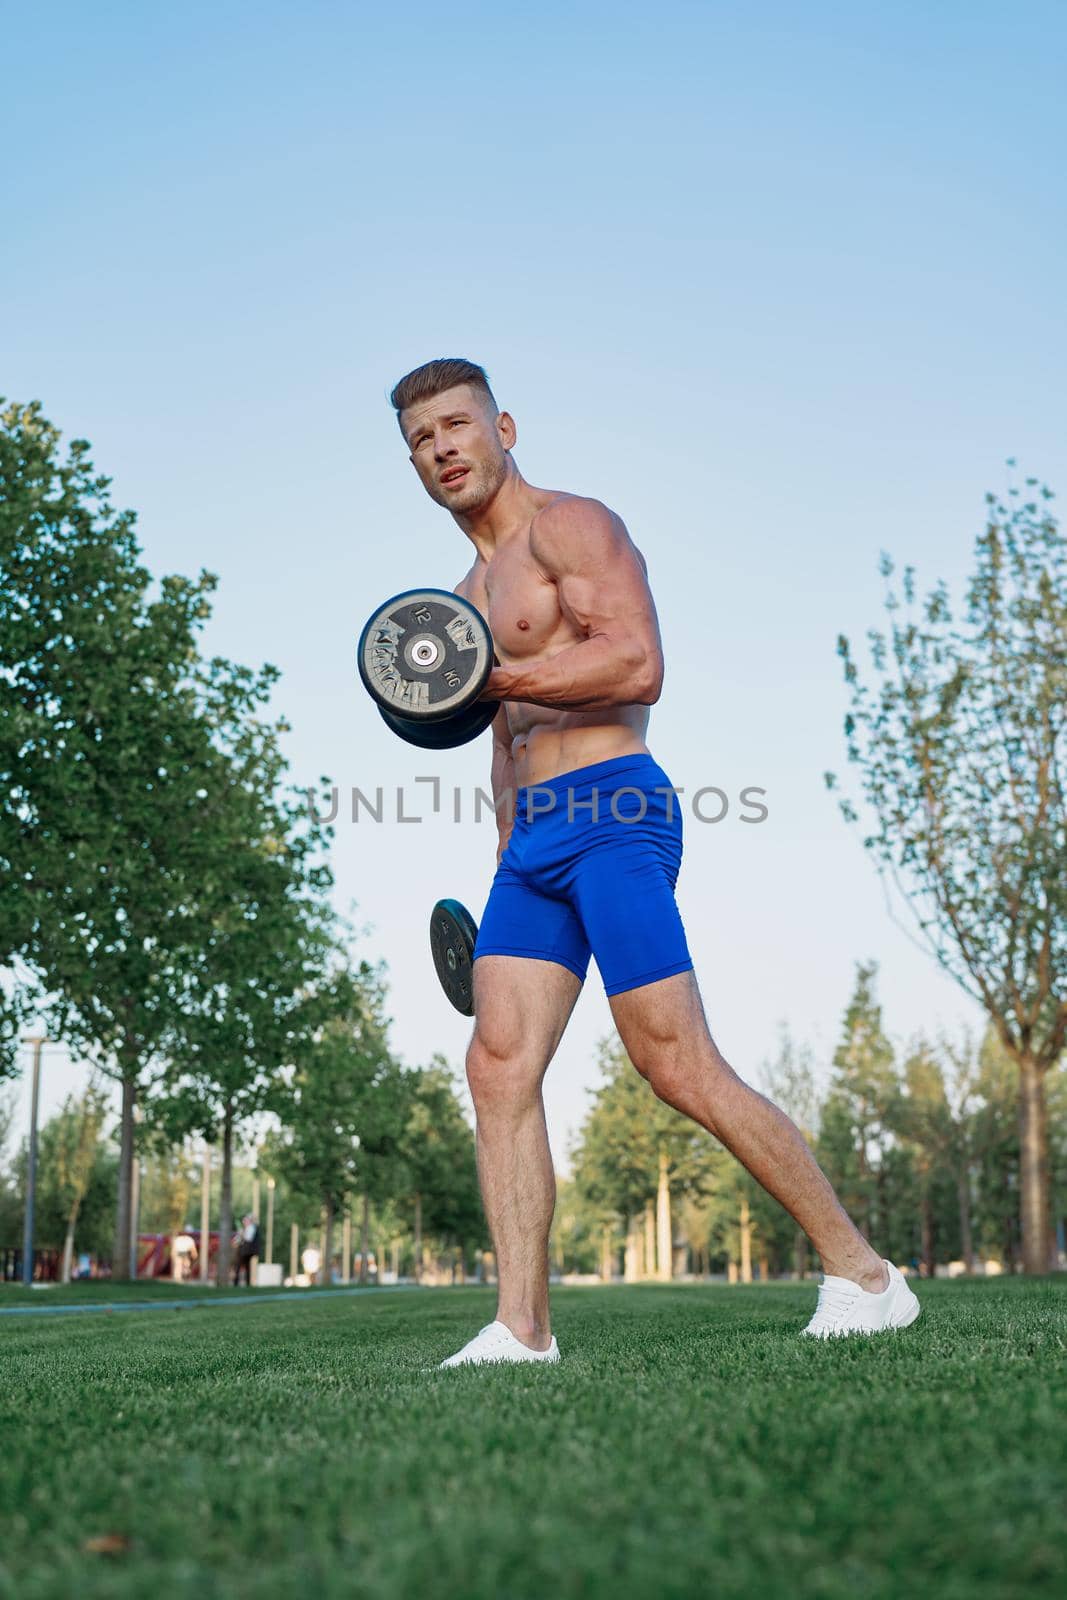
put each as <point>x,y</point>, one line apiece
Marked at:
<point>590,868</point>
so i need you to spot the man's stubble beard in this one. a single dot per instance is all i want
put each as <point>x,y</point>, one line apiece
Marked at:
<point>488,479</point>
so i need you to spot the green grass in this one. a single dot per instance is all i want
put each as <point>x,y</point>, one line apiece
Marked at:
<point>689,1445</point>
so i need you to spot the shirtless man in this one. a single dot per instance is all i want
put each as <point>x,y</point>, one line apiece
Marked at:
<point>588,866</point>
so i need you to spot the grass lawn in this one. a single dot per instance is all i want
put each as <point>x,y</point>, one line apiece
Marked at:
<point>690,1444</point>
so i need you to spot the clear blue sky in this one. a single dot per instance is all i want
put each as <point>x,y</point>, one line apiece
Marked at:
<point>782,284</point>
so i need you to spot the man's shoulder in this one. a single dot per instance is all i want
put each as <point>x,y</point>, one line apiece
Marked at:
<point>568,520</point>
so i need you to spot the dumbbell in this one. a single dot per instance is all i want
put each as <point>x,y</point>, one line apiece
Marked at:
<point>453,932</point>
<point>424,657</point>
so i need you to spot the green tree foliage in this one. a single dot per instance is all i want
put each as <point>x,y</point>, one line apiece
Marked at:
<point>629,1137</point>
<point>344,1102</point>
<point>139,822</point>
<point>960,748</point>
<point>934,1118</point>
<point>859,1111</point>
<point>792,1084</point>
<point>436,1177</point>
<point>578,1230</point>
<point>246,1002</point>
<point>76,1178</point>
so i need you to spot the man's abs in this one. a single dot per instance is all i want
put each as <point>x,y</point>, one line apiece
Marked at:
<point>546,743</point>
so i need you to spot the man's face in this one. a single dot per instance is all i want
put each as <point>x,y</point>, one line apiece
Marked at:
<point>459,447</point>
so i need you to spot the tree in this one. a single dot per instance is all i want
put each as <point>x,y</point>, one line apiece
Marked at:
<point>76,1178</point>
<point>936,1119</point>
<point>249,991</point>
<point>791,1084</point>
<point>167,1187</point>
<point>437,1173</point>
<point>960,749</point>
<point>635,1156</point>
<point>858,1112</point>
<point>140,778</point>
<point>345,1098</point>
<point>77,1153</point>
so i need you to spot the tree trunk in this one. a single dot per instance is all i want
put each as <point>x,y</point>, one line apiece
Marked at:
<point>800,1253</point>
<point>68,1242</point>
<point>364,1237</point>
<point>647,1244</point>
<point>226,1199</point>
<point>963,1197</point>
<point>926,1215</point>
<point>327,1242</point>
<point>885,1227</point>
<point>1033,1167</point>
<point>630,1265</point>
<point>135,1212</point>
<point>746,1242</point>
<point>120,1266</point>
<point>664,1239</point>
<point>418,1237</point>
<point>606,1262</point>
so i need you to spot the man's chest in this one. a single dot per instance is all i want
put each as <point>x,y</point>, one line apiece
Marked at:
<point>520,604</point>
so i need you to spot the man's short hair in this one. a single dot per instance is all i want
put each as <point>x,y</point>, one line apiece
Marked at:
<point>434,377</point>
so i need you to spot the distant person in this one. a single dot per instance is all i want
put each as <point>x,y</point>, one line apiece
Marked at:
<point>247,1249</point>
<point>184,1256</point>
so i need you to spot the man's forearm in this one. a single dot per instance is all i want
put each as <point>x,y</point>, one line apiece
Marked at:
<point>589,675</point>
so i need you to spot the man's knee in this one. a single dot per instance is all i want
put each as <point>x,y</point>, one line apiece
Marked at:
<point>680,1072</point>
<point>501,1073</point>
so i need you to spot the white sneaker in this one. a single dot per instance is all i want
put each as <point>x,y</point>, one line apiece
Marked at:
<point>846,1308</point>
<point>496,1342</point>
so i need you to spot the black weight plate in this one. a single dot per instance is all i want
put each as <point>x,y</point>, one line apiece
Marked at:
<point>460,728</point>
<point>453,932</point>
<point>425,654</point>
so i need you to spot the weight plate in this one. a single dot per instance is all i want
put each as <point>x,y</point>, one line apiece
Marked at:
<point>425,654</point>
<point>453,932</point>
<point>460,728</point>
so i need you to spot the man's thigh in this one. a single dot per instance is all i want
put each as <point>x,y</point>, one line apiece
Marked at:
<point>521,1007</point>
<point>655,1018</point>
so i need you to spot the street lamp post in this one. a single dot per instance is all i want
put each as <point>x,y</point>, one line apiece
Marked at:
<point>38,1042</point>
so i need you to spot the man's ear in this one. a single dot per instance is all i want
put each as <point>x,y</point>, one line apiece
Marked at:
<point>505,426</point>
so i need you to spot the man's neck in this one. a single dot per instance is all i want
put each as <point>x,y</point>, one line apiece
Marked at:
<point>506,515</point>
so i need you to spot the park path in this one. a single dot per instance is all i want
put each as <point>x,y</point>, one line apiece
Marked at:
<point>231,1303</point>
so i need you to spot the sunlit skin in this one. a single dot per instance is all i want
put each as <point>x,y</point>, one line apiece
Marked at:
<point>566,595</point>
<point>562,587</point>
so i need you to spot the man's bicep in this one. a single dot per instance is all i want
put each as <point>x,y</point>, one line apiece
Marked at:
<point>599,573</point>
